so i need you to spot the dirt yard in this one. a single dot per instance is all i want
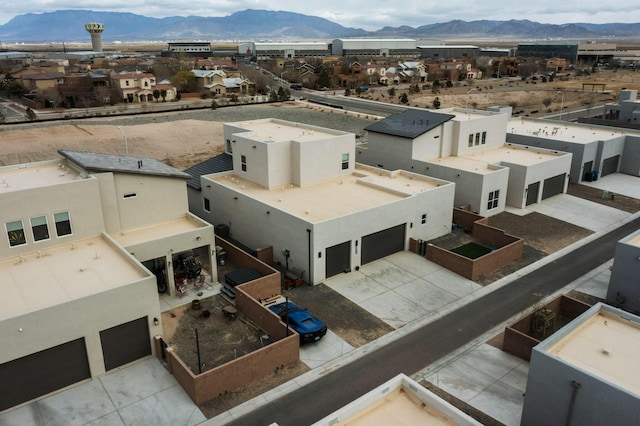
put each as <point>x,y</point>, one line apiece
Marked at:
<point>220,339</point>
<point>181,146</point>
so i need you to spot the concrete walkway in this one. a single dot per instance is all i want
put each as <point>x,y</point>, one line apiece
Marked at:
<point>618,183</point>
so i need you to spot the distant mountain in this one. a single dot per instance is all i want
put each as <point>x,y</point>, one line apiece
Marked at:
<point>68,25</point>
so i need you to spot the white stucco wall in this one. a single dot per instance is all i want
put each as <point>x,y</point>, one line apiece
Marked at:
<point>79,197</point>
<point>157,199</point>
<point>85,317</point>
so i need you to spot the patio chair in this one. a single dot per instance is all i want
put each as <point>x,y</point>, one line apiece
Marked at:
<point>181,287</point>
<point>199,282</point>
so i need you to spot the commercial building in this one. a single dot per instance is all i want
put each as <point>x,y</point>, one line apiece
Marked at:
<point>388,48</point>
<point>88,241</point>
<point>448,51</point>
<point>190,48</point>
<point>288,50</point>
<point>587,373</point>
<point>549,49</point>
<point>624,287</point>
<point>596,150</point>
<point>468,148</point>
<point>297,188</point>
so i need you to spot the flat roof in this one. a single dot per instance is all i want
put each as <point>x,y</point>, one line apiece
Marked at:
<point>573,133</point>
<point>632,239</point>
<point>399,401</point>
<point>157,231</point>
<point>67,272</point>
<point>35,175</point>
<point>604,342</point>
<point>273,130</point>
<point>365,188</point>
<point>483,162</point>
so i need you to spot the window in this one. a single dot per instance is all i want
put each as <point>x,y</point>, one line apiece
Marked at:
<point>484,138</point>
<point>63,224</point>
<point>130,195</point>
<point>477,139</point>
<point>15,232</point>
<point>424,219</point>
<point>207,205</point>
<point>126,82</point>
<point>345,161</point>
<point>470,140</point>
<point>243,162</point>
<point>39,228</point>
<point>493,199</point>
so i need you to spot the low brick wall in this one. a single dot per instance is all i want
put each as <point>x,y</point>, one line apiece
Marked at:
<point>517,340</point>
<point>237,373</point>
<point>506,248</point>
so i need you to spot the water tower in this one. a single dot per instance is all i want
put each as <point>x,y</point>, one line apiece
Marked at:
<point>95,30</point>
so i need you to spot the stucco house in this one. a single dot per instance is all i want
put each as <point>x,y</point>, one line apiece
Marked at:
<point>587,372</point>
<point>297,188</point>
<point>624,286</point>
<point>468,148</point>
<point>596,150</point>
<point>85,241</point>
<point>138,87</point>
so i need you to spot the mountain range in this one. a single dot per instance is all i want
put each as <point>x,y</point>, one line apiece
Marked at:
<point>68,25</point>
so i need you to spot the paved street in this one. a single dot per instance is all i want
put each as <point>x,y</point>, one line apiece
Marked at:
<point>426,345</point>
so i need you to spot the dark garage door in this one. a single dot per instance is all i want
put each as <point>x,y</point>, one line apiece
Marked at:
<point>553,186</point>
<point>532,193</point>
<point>38,374</point>
<point>383,243</point>
<point>338,258</point>
<point>125,343</point>
<point>610,165</point>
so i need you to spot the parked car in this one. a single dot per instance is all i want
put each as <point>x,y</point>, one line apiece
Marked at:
<point>310,328</point>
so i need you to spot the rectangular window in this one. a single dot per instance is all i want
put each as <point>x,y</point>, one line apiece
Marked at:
<point>424,218</point>
<point>345,161</point>
<point>207,206</point>
<point>15,232</point>
<point>484,138</point>
<point>477,139</point>
<point>63,224</point>
<point>470,140</point>
<point>494,196</point>
<point>243,162</point>
<point>130,195</point>
<point>39,228</point>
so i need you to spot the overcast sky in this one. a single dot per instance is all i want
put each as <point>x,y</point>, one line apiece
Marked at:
<point>365,14</point>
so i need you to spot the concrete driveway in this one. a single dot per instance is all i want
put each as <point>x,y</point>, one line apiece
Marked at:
<point>144,393</point>
<point>402,288</point>
<point>618,183</point>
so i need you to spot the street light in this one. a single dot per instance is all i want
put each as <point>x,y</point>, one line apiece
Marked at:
<point>561,105</point>
<point>126,145</point>
<point>466,102</point>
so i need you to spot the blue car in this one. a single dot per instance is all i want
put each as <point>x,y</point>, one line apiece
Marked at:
<point>310,328</point>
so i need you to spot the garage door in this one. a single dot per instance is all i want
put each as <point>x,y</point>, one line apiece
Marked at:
<point>383,243</point>
<point>532,193</point>
<point>43,372</point>
<point>610,165</point>
<point>125,343</point>
<point>553,186</point>
<point>338,258</point>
